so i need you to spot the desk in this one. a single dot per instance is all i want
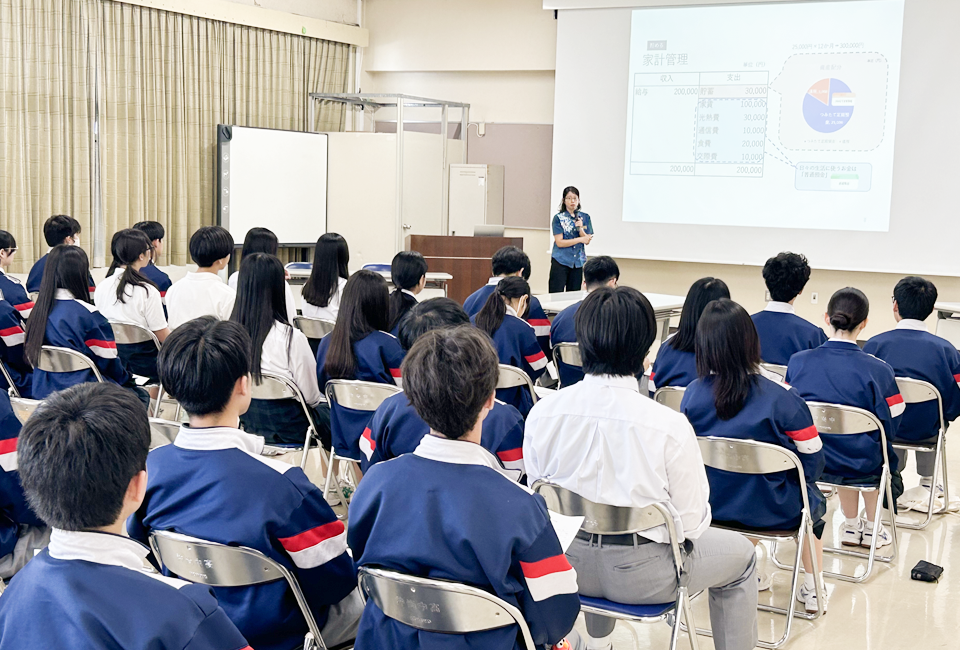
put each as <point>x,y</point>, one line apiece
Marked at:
<point>664,306</point>
<point>300,271</point>
<point>947,309</point>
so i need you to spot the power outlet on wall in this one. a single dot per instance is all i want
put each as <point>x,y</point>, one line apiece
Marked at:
<point>814,298</point>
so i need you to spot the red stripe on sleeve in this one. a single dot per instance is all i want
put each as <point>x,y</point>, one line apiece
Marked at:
<point>92,289</point>
<point>803,434</point>
<point>896,399</point>
<point>7,446</point>
<point>956,378</point>
<point>23,306</point>
<point>511,454</point>
<point>163,294</point>
<point>10,331</point>
<point>554,564</point>
<point>367,435</point>
<point>539,322</point>
<point>394,372</point>
<point>312,537</point>
<point>652,374</point>
<point>533,358</point>
<point>94,343</point>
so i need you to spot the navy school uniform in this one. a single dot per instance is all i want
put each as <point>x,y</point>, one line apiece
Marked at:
<point>14,510</point>
<point>535,315</point>
<point>213,484</point>
<point>783,333</point>
<point>162,280</point>
<point>13,292</point>
<point>12,337</point>
<point>915,353</point>
<point>839,372</point>
<point>562,331</point>
<point>672,368</point>
<point>397,429</point>
<point>517,346</point>
<point>773,413</point>
<point>35,276</point>
<point>496,536</point>
<point>378,356</point>
<point>78,325</point>
<point>91,590</point>
<point>409,302</point>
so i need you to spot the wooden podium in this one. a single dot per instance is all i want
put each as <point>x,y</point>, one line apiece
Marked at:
<point>467,259</point>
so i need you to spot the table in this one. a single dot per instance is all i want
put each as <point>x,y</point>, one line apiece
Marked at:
<point>664,306</point>
<point>300,273</point>
<point>947,309</point>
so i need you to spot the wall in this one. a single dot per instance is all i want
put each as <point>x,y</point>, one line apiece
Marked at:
<point>337,11</point>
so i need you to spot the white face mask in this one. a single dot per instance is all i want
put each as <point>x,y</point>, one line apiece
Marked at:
<point>76,240</point>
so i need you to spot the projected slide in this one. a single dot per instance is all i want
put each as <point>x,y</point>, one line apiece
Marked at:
<point>768,115</point>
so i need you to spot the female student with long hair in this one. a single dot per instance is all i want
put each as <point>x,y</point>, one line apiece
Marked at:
<point>515,340</point>
<point>359,347</point>
<point>408,272</point>
<point>839,372</point>
<point>734,399</point>
<point>11,289</point>
<point>283,350</point>
<point>262,240</point>
<point>676,363</point>
<point>323,290</point>
<point>128,296</point>
<point>64,317</point>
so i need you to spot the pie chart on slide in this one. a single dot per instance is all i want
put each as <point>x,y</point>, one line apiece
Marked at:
<point>828,105</point>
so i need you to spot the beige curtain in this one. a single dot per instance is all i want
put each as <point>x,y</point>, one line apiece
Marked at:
<point>46,118</point>
<point>167,81</point>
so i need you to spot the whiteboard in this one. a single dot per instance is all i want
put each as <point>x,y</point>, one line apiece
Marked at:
<point>272,179</point>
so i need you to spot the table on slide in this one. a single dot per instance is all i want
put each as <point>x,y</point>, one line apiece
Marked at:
<point>664,306</point>
<point>299,275</point>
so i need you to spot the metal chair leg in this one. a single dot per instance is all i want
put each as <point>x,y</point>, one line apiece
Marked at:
<point>683,597</point>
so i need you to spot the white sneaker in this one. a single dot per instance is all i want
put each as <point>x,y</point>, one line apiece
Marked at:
<point>764,581</point>
<point>851,535</point>
<point>809,599</point>
<point>883,537</point>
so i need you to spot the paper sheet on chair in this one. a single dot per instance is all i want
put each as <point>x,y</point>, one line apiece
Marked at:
<point>566,528</point>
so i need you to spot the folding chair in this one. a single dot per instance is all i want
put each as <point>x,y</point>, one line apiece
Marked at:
<point>440,606</point>
<point>568,353</point>
<point>513,377</point>
<point>841,420</point>
<point>949,328</point>
<point>358,396</point>
<point>23,408</point>
<point>313,328</point>
<point>55,359</point>
<point>133,334</point>
<point>12,387</point>
<point>601,519</point>
<point>162,432</point>
<point>274,387</point>
<point>915,391</point>
<point>669,396</point>
<point>758,458</point>
<point>219,565</point>
<point>781,371</point>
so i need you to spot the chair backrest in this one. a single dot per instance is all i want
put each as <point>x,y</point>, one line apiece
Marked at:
<point>439,605</point>
<point>33,295</point>
<point>219,565</point>
<point>313,328</point>
<point>359,395</point>
<point>511,377</point>
<point>569,353</point>
<point>775,369</point>
<point>131,334</point>
<point>23,408</point>
<point>916,391</point>
<point>274,387</point>
<point>162,432</point>
<point>11,387</point>
<point>839,419</point>
<point>949,328</point>
<point>54,359</point>
<point>750,457</point>
<point>603,519</point>
<point>670,396</point>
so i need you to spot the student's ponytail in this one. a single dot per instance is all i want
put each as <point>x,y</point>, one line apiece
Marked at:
<point>848,308</point>
<point>67,268</point>
<point>494,310</point>
<point>127,246</point>
<point>406,271</point>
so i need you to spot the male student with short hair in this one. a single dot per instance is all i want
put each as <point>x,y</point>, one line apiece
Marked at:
<point>508,261</point>
<point>397,429</point>
<point>155,232</point>
<point>203,293</point>
<point>82,461</point>
<point>449,510</point>
<point>213,483</point>
<point>783,333</point>
<point>58,229</point>
<point>601,271</point>
<point>914,352</point>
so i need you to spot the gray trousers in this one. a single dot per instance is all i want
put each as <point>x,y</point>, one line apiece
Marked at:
<point>722,561</point>
<point>343,620</point>
<point>925,459</point>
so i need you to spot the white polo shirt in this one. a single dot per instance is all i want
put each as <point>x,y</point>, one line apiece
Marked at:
<point>295,362</point>
<point>601,439</point>
<point>331,310</point>
<point>142,305</point>
<point>287,294</point>
<point>196,295</point>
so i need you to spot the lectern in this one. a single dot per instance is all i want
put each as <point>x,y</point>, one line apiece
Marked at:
<point>467,259</point>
